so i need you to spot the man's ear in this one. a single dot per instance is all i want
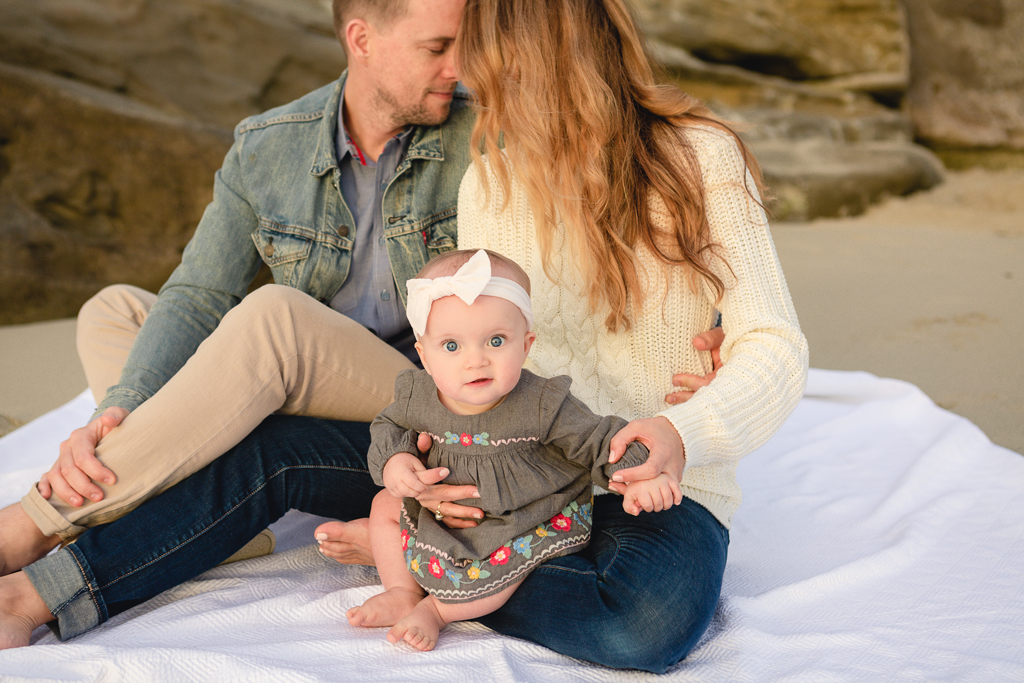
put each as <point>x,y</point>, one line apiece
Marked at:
<point>419,350</point>
<point>357,38</point>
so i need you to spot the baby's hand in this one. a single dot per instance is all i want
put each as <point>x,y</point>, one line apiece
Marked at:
<point>651,495</point>
<point>405,475</point>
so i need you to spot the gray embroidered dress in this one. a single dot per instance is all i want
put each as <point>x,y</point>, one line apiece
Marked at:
<point>533,459</point>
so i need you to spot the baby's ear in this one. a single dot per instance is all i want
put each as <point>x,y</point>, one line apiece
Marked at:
<point>423,359</point>
<point>531,337</point>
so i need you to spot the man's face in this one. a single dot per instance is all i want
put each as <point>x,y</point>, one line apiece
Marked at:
<point>412,64</point>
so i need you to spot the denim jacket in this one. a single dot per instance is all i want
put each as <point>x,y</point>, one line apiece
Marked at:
<point>277,200</point>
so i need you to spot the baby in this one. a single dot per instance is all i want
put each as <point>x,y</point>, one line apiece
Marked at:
<point>529,446</point>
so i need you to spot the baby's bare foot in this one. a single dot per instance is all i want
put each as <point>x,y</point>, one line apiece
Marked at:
<point>385,609</point>
<point>21,611</point>
<point>346,542</point>
<point>421,628</point>
<point>21,542</point>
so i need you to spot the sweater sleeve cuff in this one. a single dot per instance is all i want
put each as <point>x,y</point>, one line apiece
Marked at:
<point>691,423</point>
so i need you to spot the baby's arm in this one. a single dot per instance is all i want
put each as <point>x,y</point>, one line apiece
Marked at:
<point>405,475</point>
<point>651,495</point>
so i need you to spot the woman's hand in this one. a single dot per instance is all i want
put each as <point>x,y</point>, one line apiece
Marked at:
<point>666,451</point>
<point>439,496</point>
<point>705,341</point>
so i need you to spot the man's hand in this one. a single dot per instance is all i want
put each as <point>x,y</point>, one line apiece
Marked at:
<point>664,444</point>
<point>705,341</point>
<point>454,516</point>
<point>72,477</point>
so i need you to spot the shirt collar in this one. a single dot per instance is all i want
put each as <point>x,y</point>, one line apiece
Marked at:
<point>346,145</point>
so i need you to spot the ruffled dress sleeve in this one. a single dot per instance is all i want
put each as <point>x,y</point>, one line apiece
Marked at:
<point>583,436</point>
<point>389,432</point>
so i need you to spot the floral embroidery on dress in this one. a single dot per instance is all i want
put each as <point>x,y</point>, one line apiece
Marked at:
<point>481,439</point>
<point>573,515</point>
<point>501,555</point>
<point>561,522</point>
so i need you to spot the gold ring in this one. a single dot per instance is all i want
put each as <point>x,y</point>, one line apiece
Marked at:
<point>437,513</point>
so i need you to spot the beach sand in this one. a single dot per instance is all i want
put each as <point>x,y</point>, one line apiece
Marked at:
<point>927,288</point>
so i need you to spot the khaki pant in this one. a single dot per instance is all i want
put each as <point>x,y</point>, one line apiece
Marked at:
<point>278,351</point>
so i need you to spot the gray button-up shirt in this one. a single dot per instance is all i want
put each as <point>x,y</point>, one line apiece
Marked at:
<point>369,295</point>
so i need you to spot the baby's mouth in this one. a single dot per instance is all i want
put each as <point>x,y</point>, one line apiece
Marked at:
<point>479,382</point>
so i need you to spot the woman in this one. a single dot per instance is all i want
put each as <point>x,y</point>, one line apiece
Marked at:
<point>637,216</point>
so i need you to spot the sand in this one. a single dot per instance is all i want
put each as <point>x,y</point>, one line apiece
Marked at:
<point>927,288</point>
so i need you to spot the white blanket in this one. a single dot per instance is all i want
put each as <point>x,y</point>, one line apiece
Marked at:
<point>880,538</point>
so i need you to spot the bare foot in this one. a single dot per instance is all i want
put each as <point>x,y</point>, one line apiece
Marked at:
<point>21,611</point>
<point>21,541</point>
<point>385,609</point>
<point>346,542</point>
<point>421,628</point>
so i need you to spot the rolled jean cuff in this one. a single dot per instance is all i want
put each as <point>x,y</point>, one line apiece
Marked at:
<point>68,589</point>
<point>46,517</point>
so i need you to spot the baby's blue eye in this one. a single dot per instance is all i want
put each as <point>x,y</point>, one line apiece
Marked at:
<point>451,346</point>
<point>496,341</point>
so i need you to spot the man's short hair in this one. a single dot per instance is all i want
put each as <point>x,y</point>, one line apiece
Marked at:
<point>380,13</point>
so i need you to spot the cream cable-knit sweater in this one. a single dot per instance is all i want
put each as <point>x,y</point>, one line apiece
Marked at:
<point>629,374</point>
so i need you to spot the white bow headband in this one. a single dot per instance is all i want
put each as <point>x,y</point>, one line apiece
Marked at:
<point>473,279</point>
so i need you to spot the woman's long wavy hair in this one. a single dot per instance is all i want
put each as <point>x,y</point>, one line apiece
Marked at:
<point>567,87</point>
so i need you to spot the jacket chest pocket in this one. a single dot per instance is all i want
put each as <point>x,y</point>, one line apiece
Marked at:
<point>285,249</point>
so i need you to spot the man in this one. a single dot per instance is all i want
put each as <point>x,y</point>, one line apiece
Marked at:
<point>294,191</point>
<point>301,189</point>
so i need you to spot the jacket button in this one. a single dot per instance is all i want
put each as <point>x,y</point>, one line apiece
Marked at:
<point>269,249</point>
<point>343,230</point>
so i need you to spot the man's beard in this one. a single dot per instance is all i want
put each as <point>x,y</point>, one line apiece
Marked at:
<point>411,115</point>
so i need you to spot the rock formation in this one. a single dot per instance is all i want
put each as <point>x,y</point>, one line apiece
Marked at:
<point>799,40</point>
<point>116,113</point>
<point>95,188</point>
<point>967,67</point>
<point>212,60</point>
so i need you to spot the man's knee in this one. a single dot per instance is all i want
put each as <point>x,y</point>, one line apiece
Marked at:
<point>115,302</point>
<point>272,301</point>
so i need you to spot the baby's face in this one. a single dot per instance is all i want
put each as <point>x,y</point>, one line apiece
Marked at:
<point>474,353</point>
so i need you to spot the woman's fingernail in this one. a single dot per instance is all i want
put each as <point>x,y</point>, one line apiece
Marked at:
<point>96,496</point>
<point>476,494</point>
<point>617,477</point>
<point>321,536</point>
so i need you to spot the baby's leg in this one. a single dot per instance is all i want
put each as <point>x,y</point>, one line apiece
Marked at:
<point>421,628</point>
<point>401,592</point>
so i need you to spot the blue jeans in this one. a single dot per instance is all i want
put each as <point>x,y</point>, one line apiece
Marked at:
<point>639,596</point>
